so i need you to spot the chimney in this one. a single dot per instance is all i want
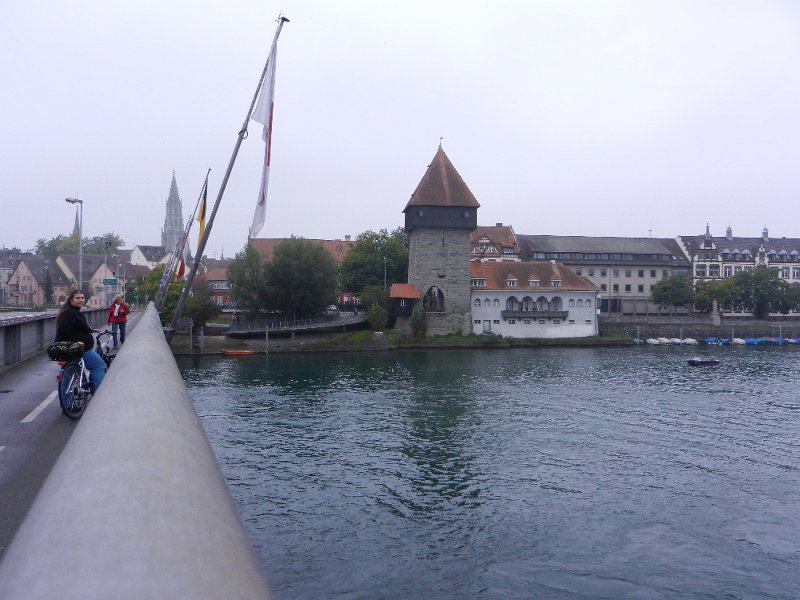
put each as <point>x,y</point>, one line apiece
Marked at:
<point>347,238</point>
<point>498,225</point>
<point>765,234</point>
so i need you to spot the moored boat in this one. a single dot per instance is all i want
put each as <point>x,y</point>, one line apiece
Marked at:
<point>703,361</point>
<point>237,352</point>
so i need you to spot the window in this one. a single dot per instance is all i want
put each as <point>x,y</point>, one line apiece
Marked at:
<point>496,322</point>
<point>511,283</point>
<point>628,272</point>
<point>556,321</point>
<point>616,272</point>
<point>627,288</point>
<point>477,302</point>
<point>588,321</point>
<point>640,288</point>
<point>641,272</point>
<point>588,303</point>
<point>541,321</point>
<point>511,321</point>
<point>591,272</point>
<point>615,288</point>
<point>478,282</point>
<point>527,321</point>
<point>578,271</point>
<point>603,287</point>
<point>652,273</point>
<point>477,321</point>
<point>572,321</point>
<point>533,282</point>
<point>603,272</point>
<point>665,273</point>
<point>571,302</point>
<point>555,283</point>
<point>728,271</point>
<point>700,271</point>
<point>795,273</point>
<point>785,273</point>
<point>496,302</point>
<point>713,271</point>
<point>580,301</point>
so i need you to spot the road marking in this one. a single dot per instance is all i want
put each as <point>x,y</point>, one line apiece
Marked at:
<point>35,412</point>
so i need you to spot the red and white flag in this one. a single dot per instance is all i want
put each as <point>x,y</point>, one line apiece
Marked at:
<point>263,114</point>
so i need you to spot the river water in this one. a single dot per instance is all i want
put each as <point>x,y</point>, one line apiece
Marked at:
<point>518,473</point>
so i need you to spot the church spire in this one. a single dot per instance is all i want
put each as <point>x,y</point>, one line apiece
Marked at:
<point>173,222</point>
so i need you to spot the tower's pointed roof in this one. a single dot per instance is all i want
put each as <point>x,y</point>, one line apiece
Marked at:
<point>442,186</point>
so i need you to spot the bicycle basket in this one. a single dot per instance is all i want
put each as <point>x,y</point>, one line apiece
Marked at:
<point>65,350</point>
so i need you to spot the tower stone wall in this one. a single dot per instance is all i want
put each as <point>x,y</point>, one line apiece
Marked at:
<point>439,258</point>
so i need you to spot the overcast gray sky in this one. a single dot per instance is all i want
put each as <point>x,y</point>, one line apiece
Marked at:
<point>569,117</point>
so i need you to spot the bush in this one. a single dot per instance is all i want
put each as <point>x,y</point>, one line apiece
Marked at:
<point>419,324</point>
<point>377,317</point>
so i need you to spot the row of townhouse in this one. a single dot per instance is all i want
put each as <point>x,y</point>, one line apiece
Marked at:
<point>625,270</point>
<point>26,277</point>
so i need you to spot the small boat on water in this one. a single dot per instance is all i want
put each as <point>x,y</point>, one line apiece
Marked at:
<point>703,361</point>
<point>237,352</point>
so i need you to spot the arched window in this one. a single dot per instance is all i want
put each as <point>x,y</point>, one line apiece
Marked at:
<point>433,300</point>
<point>496,302</point>
<point>487,302</point>
<point>556,303</point>
<point>588,303</point>
<point>571,302</point>
<point>528,303</point>
<point>580,302</point>
<point>477,302</point>
<point>512,303</point>
<point>542,303</point>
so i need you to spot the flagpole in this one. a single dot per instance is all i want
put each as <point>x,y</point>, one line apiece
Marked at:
<point>202,246</point>
<point>174,259</point>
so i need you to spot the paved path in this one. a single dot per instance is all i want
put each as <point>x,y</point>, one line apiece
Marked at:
<point>33,432</point>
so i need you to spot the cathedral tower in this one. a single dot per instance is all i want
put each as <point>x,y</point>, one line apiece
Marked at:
<point>173,223</point>
<point>439,217</point>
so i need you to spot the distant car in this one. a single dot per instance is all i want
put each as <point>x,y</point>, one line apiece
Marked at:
<point>332,307</point>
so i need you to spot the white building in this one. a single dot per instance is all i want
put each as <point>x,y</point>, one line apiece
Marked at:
<point>538,299</point>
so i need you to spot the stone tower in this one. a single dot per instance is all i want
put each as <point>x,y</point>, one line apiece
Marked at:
<point>439,217</point>
<point>173,223</point>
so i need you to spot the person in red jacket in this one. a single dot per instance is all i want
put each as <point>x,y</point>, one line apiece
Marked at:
<point>117,318</point>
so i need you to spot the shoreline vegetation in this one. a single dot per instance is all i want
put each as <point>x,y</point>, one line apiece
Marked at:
<point>369,341</point>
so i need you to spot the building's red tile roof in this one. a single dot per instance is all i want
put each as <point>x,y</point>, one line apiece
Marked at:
<point>442,186</point>
<point>497,273</point>
<point>336,248</point>
<point>404,290</point>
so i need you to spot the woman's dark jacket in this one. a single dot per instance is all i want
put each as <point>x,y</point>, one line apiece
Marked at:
<point>73,327</point>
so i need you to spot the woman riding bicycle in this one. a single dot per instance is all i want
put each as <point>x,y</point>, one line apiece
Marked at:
<point>73,327</point>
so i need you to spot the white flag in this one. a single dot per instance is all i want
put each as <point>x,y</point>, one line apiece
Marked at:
<point>263,114</point>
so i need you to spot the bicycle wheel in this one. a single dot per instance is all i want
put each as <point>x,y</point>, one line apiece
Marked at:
<point>70,392</point>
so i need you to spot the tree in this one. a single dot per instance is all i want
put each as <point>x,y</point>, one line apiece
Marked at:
<point>147,288</point>
<point>375,295</point>
<point>247,278</point>
<point>301,278</point>
<point>673,291</point>
<point>724,291</point>
<point>364,263</point>
<point>68,244</point>
<point>199,306</point>
<point>762,291</point>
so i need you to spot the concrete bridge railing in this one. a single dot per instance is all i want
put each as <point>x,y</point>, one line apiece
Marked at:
<point>24,336</point>
<point>136,506</point>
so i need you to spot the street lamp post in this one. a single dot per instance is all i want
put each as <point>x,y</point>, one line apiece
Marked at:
<point>80,240</point>
<point>384,273</point>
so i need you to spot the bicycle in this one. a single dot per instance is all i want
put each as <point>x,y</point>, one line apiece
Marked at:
<point>74,386</point>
